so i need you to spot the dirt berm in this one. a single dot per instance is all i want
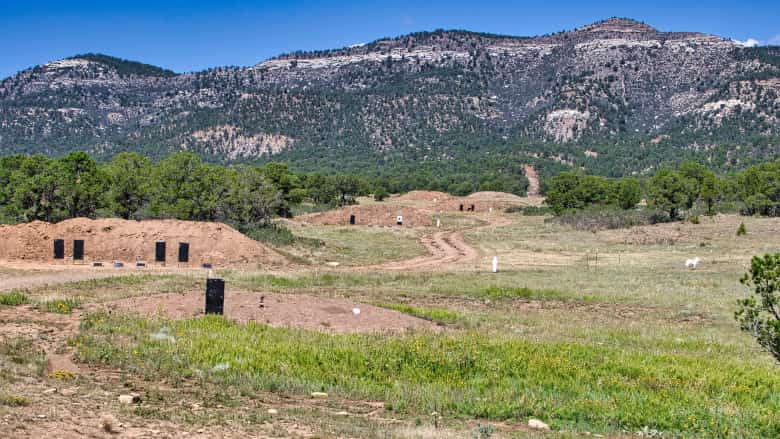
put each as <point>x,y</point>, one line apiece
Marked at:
<point>130,241</point>
<point>370,215</point>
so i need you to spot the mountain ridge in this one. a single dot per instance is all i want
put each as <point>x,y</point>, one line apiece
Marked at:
<point>614,97</point>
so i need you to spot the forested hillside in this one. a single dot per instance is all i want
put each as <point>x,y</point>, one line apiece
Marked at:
<point>454,110</point>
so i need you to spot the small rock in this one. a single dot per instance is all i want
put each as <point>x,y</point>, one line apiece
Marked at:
<point>109,424</point>
<point>342,413</point>
<point>538,425</point>
<point>319,395</point>
<point>201,430</point>
<point>42,416</point>
<point>68,392</point>
<point>50,391</point>
<point>273,411</point>
<point>129,399</point>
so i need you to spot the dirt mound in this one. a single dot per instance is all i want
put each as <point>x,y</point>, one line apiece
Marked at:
<point>432,196</point>
<point>281,310</point>
<point>491,196</point>
<point>370,215</point>
<point>467,205</point>
<point>130,241</point>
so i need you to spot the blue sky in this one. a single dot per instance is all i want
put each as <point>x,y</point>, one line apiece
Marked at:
<point>193,35</point>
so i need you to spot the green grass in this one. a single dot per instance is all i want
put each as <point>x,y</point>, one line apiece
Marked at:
<point>130,280</point>
<point>433,314</point>
<point>20,357</point>
<point>465,374</point>
<point>14,298</point>
<point>497,293</point>
<point>13,400</point>
<point>115,288</point>
<point>353,245</point>
<point>60,306</point>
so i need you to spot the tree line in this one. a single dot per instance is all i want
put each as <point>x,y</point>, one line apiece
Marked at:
<point>672,191</point>
<point>182,186</point>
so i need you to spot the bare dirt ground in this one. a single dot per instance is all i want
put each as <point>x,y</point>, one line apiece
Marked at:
<point>281,310</point>
<point>533,180</point>
<point>35,278</point>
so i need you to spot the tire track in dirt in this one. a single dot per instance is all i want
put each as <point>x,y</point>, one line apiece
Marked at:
<point>444,248</point>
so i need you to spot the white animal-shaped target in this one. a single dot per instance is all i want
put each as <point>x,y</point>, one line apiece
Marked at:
<point>692,263</point>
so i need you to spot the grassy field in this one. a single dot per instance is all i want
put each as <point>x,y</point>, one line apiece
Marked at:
<point>354,246</point>
<point>633,343</point>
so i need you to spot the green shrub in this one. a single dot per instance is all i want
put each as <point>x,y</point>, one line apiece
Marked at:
<point>60,306</point>
<point>433,314</point>
<point>279,235</point>
<point>758,314</point>
<point>380,194</point>
<point>274,234</point>
<point>13,400</point>
<point>604,218</point>
<point>530,210</point>
<point>741,230</point>
<point>14,298</point>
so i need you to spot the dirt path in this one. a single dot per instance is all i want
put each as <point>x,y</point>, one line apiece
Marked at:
<point>36,279</point>
<point>445,247</point>
<point>533,180</point>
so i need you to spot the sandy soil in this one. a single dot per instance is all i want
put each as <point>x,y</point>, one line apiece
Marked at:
<point>280,310</point>
<point>130,241</point>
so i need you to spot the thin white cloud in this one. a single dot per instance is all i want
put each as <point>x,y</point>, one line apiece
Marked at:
<point>750,42</point>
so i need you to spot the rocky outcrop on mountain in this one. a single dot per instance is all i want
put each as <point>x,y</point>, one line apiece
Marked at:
<point>613,88</point>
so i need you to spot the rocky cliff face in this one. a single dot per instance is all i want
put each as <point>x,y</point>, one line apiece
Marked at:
<point>618,85</point>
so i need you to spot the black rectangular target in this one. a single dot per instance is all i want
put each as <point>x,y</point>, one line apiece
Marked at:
<point>78,249</point>
<point>215,296</point>
<point>159,251</point>
<point>352,219</point>
<point>59,249</point>
<point>184,252</point>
